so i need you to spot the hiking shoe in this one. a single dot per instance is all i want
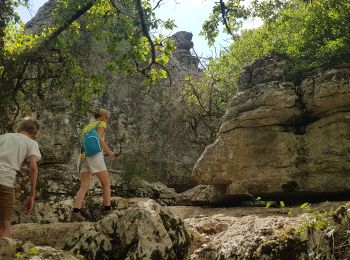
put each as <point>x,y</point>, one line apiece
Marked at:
<point>77,217</point>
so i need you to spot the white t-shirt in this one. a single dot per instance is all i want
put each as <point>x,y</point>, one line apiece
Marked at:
<point>14,149</point>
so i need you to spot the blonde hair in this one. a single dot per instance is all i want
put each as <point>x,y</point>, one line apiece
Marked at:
<point>101,112</point>
<point>29,125</point>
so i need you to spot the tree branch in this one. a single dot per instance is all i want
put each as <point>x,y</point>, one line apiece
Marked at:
<point>146,33</point>
<point>224,17</point>
<point>145,30</point>
<point>157,5</point>
<point>69,21</point>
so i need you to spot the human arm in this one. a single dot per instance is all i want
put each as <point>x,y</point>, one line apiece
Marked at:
<point>103,144</point>
<point>28,206</point>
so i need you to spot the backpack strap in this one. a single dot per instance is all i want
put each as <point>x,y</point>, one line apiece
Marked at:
<point>97,125</point>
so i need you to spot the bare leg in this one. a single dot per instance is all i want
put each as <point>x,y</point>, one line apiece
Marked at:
<point>106,187</point>
<point>5,228</point>
<point>84,187</point>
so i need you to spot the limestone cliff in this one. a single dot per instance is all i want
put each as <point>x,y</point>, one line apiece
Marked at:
<point>150,128</point>
<point>281,138</point>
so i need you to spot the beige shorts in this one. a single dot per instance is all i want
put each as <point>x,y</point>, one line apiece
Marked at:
<point>93,164</point>
<point>7,201</point>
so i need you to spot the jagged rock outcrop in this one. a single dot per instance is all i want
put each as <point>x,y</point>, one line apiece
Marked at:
<point>149,127</point>
<point>184,44</point>
<point>144,230</point>
<point>280,138</point>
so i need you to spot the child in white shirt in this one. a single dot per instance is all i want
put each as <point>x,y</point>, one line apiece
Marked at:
<point>15,148</point>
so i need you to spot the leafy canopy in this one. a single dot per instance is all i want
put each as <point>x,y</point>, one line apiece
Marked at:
<point>312,34</point>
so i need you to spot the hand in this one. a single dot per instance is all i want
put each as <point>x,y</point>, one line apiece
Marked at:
<point>110,154</point>
<point>29,205</point>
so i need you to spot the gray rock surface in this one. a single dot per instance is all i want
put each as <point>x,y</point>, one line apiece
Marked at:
<point>200,195</point>
<point>142,231</point>
<point>309,234</point>
<point>44,18</point>
<point>184,44</point>
<point>57,183</point>
<point>278,138</point>
<point>221,237</point>
<point>268,68</point>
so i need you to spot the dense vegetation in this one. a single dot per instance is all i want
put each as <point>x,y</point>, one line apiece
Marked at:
<point>312,34</point>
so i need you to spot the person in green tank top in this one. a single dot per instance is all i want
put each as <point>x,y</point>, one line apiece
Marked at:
<point>94,165</point>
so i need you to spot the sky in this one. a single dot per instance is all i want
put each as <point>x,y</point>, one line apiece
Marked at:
<point>189,15</point>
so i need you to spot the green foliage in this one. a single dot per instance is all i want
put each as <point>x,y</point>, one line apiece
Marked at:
<point>277,204</point>
<point>313,34</point>
<point>203,93</point>
<point>269,204</point>
<point>305,206</point>
<point>231,14</point>
<point>282,204</point>
<point>325,232</point>
<point>54,59</point>
<point>33,251</point>
<point>16,41</point>
<point>8,13</point>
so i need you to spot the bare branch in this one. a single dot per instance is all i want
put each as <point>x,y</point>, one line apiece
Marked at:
<point>157,5</point>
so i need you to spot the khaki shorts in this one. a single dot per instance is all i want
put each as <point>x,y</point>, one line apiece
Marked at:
<point>7,202</point>
<point>93,164</point>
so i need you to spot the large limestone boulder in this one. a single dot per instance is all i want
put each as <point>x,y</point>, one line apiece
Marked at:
<point>144,230</point>
<point>281,139</point>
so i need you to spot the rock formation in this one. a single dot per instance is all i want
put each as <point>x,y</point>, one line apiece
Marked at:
<point>281,138</point>
<point>149,127</point>
<point>142,231</point>
<point>184,44</point>
<point>254,237</point>
<point>277,138</point>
